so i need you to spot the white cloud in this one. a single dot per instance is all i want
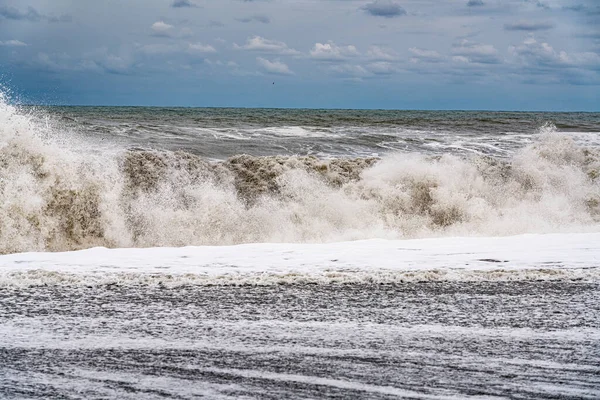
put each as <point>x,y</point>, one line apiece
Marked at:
<point>423,55</point>
<point>382,68</point>
<point>274,67</point>
<point>460,59</point>
<point>331,52</point>
<point>541,54</point>
<point>262,45</point>
<point>13,43</point>
<point>201,48</point>
<point>476,52</point>
<point>229,64</point>
<point>349,70</point>
<point>157,49</point>
<point>161,28</point>
<point>381,54</point>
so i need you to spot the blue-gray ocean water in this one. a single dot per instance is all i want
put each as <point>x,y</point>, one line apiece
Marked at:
<point>220,133</point>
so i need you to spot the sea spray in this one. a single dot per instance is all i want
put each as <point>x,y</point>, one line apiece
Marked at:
<point>59,192</point>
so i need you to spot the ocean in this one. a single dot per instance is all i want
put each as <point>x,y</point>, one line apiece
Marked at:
<point>275,253</point>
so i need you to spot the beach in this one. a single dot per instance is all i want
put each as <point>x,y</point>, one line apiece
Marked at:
<point>234,253</point>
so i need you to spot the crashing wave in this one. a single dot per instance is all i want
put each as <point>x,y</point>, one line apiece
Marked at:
<point>63,194</point>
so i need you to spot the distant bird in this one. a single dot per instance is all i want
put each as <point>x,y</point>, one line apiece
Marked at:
<point>273,83</point>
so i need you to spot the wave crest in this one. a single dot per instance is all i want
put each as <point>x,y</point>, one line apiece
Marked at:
<point>56,195</point>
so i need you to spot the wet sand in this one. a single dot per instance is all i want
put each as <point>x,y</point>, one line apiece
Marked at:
<point>522,340</point>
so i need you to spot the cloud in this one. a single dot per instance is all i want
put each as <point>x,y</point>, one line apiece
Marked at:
<point>422,55</point>
<point>229,64</point>
<point>528,26</point>
<point>331,52</point>
<point>382,68</point>
<point>582,8</point>
<point>61,18</point>
<point>13,13</point>
<point>589,35</point>
<point>541,63</point>
<point>274,67</point>
<point>54,62</point>
<point>258,18</point>
<point>201,48</point>
<point>350,71</point>
<point>161,29</point>
<point>13,43</point>
<point>99,61</point>
<point>155,49</point>
<point>182,4</point>
<point>588,13</point>
<point>216,24</point>
<point>102,60</point>
<point>475,53</point>
<point>381,54</point>
<point>262,45</point>
<point>541,54</point>
<point>159,48</point>
<point>475,3</point>
<point>384,8</point>
<point>31,15</point>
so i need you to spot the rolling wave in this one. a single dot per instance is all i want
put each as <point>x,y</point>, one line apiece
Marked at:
<point>59,194</point>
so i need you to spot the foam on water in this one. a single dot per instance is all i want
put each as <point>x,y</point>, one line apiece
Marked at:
<point>515,258</point>
<point>58,193</point>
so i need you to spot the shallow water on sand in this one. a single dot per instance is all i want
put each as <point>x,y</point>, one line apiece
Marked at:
<point>523,340</point>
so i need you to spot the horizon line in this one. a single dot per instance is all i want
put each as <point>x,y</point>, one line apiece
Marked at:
<point>307,108</point>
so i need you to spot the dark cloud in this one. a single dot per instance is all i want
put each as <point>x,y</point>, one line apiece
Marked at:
<point>528,26</point>
<point>384,8</point>
<point>13,13</point>
<point>30,15</point>
<point>475,3</point>
<point>589,35</point>
<point>588,12</point>
<point>258,18</point>
<point>590,9</point>
<point>182,3</point>
<point>542,5</point>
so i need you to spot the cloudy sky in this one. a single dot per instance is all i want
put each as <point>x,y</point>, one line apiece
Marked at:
<point>407,54</point>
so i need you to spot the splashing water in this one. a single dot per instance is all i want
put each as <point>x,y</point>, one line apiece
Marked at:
<point>59,193</point>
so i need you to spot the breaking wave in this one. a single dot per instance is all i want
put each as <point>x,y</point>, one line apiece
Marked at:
<point>58,193</point>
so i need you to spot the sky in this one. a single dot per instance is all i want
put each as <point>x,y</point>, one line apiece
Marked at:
<point>397,54</point>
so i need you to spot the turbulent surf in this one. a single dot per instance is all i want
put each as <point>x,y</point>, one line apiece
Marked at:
<point>61,190</point>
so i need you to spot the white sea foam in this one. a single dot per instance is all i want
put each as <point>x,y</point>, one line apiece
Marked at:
<point>525,257</point>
